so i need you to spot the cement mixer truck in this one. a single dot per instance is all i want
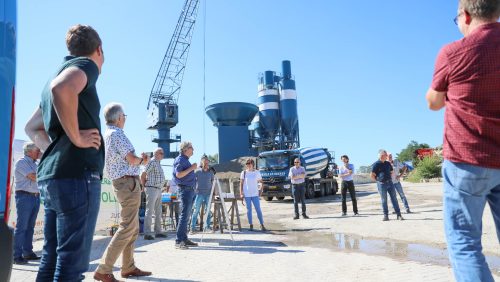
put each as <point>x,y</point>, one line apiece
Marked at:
<point>320,172</point>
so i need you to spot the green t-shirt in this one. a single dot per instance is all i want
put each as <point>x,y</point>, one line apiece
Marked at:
<point>62,159</point>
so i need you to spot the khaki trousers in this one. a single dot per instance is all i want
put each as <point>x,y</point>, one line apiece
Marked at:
<point>128,193</point>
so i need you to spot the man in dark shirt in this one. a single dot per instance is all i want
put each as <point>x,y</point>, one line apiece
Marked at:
<point>67,128</point>
<point>381,172</point>
<point>466,81</point>
<point>183,176</point>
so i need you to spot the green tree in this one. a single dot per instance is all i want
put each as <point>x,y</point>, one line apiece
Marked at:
<point>408,154</point>
<point>429,167</point>
<point>213,159</point>
<point>365,169</point>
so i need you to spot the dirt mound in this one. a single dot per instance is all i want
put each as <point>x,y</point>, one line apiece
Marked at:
<point>231,169</point>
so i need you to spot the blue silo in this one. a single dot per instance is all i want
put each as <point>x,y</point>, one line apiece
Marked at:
<point>232,120</point>
<point>268,103</point>
<point>256,127</point>
<point>288,107</point>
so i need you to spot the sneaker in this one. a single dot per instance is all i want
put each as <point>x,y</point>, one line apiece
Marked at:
<point>408,210</point>
<point>296,217</point>
<point>263,228</point>
<point>148,237</point>
<point>386,218</point>
<point>190,243</point>
<point>181,246</point>
<point>304,216</point>
<point>20,261</point>
<point>32,256</point>
<point>192,232</point>
<point>344,214</point>
<point>400,217</point>
<point>161,235</point>
<point>251,227</point>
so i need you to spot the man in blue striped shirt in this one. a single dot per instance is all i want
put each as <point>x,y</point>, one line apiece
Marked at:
<point>153,178</point>
<point>27,204</point>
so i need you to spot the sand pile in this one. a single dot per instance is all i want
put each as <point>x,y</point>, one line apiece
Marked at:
<point>231,169</point>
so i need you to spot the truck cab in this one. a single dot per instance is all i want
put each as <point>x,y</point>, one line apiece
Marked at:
<point>275,165</point>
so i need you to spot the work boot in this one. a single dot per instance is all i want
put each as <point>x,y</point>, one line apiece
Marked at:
<point>31,256</point>
<point>386,218</point>
<point>190,243</point>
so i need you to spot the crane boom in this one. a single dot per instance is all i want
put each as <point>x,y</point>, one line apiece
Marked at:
<point>164,95</point>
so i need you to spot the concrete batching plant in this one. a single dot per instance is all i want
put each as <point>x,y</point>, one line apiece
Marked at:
<point>274,121</point>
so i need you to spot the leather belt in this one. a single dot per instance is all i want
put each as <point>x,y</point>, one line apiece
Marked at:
<point>28,193</point>
<point>130,176</point>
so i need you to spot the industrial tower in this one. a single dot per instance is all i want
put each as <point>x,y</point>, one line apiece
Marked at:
<point>162,105</point>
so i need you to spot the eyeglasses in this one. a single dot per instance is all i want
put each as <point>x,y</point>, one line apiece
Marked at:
<point>455,20</point>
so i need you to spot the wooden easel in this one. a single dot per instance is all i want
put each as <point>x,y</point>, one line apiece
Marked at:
<point>224,214</point>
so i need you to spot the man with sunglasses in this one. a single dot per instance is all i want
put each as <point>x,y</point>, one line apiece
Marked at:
<point>297,176</point>
<point>184,177</point>
<point>466,81</point>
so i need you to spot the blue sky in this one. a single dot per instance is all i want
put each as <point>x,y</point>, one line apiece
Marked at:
<point>362,68</point>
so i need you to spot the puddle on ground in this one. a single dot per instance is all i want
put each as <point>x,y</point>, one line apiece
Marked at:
<point>390,248</point>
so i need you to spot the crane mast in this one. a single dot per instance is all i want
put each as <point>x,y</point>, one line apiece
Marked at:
<point>162,105</point>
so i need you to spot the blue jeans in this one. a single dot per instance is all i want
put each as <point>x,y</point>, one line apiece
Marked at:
<point>467,188</point>
<point>186,195</point>
<point>256,203</point>
<point>299,195</point>
<point>383,189</point>
<point>199,200</point>
<point>71,208</point>
<point>399,189</point>
<point>27,207</point>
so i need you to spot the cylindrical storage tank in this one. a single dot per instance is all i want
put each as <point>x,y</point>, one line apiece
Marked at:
<point>314,160</point>
<point>255,125</point>
<point>288,104</point>
<point>268,103</point>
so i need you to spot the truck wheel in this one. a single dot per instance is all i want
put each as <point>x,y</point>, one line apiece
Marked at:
<point>310,190</point>
<point>268,198</point>
<point>322,191</point>
<point>329,189</point>
<point>280,198</point>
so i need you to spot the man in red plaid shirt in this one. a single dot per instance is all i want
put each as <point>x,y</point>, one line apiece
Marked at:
<point>467,82</point>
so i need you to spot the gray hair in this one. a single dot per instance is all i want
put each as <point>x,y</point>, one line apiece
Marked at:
<point>381,152</point>
<point>482,9</point>
<point>112,112</point>
<point>185,145</point>
<point>28,147</point>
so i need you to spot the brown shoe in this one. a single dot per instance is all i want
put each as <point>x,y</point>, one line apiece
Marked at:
<point>136,272</point>
<point>105,277</point>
